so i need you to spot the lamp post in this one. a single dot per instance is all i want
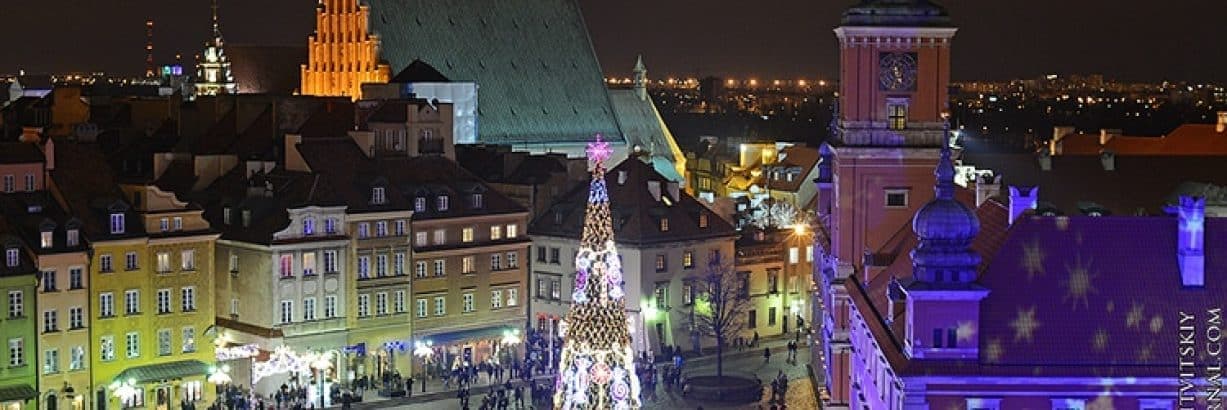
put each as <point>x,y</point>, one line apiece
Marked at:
<point>220,377</point>
<point>423,350</point>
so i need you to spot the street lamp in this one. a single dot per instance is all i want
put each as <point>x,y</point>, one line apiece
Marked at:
<point>511,338</point>
<point>126,392</point>
<point>321,362</point>
<point>220,376</point>
<point>422,349</point>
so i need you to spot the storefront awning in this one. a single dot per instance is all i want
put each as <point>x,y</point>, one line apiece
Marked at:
<point>164,371</point>
<point>485,333</point>
<point>15,392</point>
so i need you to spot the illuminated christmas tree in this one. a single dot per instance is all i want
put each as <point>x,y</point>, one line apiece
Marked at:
<point>597,366</point>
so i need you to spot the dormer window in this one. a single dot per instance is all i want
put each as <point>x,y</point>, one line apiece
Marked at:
<point>330,226</point>
<point>164,224</point>
<point>664,224</point>
<point>117,224</point>
<point>477,201</point>
<point>44,239</point>
<point>419,204</point>
<point>441,203</point>
<point>377,196</point>
<point>226,215</point>
<point>557,218</point>
<point>246,218</point>
<point>308,226</point>
<point>703,220</point>
<point>10,257</point>
<point>73,237</point>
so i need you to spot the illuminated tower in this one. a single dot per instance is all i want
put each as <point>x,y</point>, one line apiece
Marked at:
<point>213,75</point>
<point>597,366</point>
<point>150,72</point>
<point>342,55</point>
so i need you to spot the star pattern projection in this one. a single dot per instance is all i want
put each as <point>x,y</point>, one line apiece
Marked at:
<point>1133,319</point>
<point>1100,340</point>
<point>1024,325</point>
<point>965,332</point>
<point>993,351</point>
<point>1078,286</point>
<point>1033,259</point>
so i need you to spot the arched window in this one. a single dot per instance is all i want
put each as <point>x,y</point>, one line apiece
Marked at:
<point>51,401</point>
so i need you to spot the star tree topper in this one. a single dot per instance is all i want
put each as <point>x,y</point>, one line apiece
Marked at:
<point>598,151</point>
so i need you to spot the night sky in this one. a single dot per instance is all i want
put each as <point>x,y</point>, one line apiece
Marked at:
<point>998,39</point>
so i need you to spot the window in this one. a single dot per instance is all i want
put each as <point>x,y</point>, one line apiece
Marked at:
<point>937,338</point>
<point>246,217</point>
<point>189,340</point>
<point>76,318</point>
<point>104,263</point>
<point>512,260</point>
<point>226,215</point>
<point>421,308</point>
<point>17,306</point>
<point>164,342</point>
<point>540,254</point>
<point>556,289</point>
<point>441,203</point>
<point>75,279</point>
<point>234,307</point>
<point>178,223</point>
<point>381,303</point>
<point>330,226</point>
<point>496,262</point>
<point>163,301</point>
<point>398,264</point>
<point>477,201</point>
<point>234,263</point>
<point>752,319</point>
<point>419,204</point>
<point>287,266</point>
<point>364,305</point>
<point>51,361</point>
<point>419,239</point>
<point>132,301</point>
<point>952,337</point>
<point>419,269</point>
<point>543,288</point>
<point>661,264</point>
<point>51,321</point>
<point>809,253</point>
<point>467,265</point>
<point>703,220</point>
<point>688,259</point>
<point>897,114</point>
<point>308,226</point>
<point>513,297</point>
<point>117,224</point>
<point>130,261</point>
<point>381,229</point>
<point>163,262</point>
<point>381,265</point>
<point>377,196</point>
<point>1068,404</point>
<point>440,306</point>
<point>76,360</point>
<point>308,309</point>
<point>496,299</point>
<point>662,295</point>
<point>17,354</point>
<point>554,258</point>
<point>664,224</point>
<point>439,268</point>
<point>687,294</point>
<point>466,235</point>
<point>364,267</point>
<point>187,260</point>
<point>771,316</point>
<point>48,281</point>
<point>45,240</point>
<point>398,301</point>
<point>73,237</point>
<point>896,198</point>
<point>132,345</point>
<point>468,302</point>
<point>106,304</point>
<point>164,224</point>
<point>287,311</point>
<point>330,261</point>
<point>440,237</point>
<point>10,183</point>
<point>511,231</point>
<point>106,349</point>
<point>188,295</point>
<point>29,182</point>
<point>11,257</point>
<point>794,255</point>
<point>364,230</point>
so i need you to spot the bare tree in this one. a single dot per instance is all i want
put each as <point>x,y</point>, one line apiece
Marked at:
<point>720,305</point>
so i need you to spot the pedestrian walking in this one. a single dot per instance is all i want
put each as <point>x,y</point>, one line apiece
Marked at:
<point>766,355</point>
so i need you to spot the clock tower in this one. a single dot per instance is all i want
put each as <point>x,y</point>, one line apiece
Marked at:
<point>894,80</point>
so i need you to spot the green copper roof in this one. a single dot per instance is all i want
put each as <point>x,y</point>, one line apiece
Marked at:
<point>538,77</point>
<point>15,392</point>
<point>897,13</point>
<point>164,371</point>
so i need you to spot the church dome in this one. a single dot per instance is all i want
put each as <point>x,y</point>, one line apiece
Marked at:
<point>896,13</point>
<point>946,220</point>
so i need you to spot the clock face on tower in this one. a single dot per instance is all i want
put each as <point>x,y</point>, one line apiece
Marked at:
<point>897,71</point>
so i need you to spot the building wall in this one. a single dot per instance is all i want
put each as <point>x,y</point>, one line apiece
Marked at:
<point>240,289</point>
<point>62,301</point>
<point>115,326</point>
<point>21,328</point>
<point>19,173</point>
<point>391,329</point>
<point>67,110</point>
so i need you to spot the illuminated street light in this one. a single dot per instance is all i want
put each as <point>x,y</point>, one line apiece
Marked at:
<point>219,376</point>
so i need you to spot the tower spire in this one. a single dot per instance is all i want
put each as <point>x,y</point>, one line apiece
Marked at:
<point>217,31</point>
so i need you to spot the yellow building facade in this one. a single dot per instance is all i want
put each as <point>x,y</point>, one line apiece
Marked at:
<point>63,338</point>
<point>342,55</point>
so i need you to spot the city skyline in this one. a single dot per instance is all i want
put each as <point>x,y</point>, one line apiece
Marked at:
<point>677,38</point>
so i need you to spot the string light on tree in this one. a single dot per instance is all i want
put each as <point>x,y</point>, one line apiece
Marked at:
<point>597,363</point>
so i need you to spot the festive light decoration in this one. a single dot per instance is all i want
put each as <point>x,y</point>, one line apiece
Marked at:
<point>237,352</point>
<point>597,361</point>
<point>282,360</point>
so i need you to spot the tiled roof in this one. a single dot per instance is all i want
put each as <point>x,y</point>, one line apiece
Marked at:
<point>803,158</point>
<point>1187,139</point>
<point>268,209</point>
<point>636,212</point>
<point>19,153</point>
<point>640,122</point>
<point>1138,182</point>
<point>333,119</point>
<point>89,188</point>
<point>27,214</point>
<point>347,169</point>
<point>419,72</point>
<point>540,80</point>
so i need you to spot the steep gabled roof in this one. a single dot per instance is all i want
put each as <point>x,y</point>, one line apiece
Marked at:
<point>19,153</point>
<point>419,72</point>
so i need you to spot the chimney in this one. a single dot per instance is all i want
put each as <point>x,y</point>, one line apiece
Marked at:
<point>654,188</point>
<point>1190,250</point>
<point>1060,132</point>
<point>1045,160</point>
<point>1108,159</point>
<point>987,186</point>
<point>293,158</point>
<point>1022,199</point>
<point>49,153</point>
<point>1106,135</point>
<point>1222,122</point>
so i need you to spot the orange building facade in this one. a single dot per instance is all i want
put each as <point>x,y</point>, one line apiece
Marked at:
<point>342,55</point>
